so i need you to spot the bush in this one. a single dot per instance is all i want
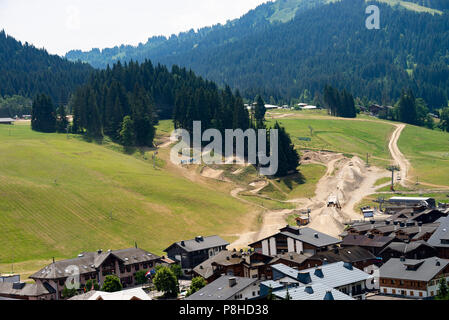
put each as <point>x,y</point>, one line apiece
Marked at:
<point>166,281</point>
<point>112,284</point>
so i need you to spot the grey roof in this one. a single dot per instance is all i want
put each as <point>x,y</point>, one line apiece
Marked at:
<point>442,233</point>
<point>84,296</point>
<point>307,235</point>
<point>346,254</point>
<point>403,247</point>
<point>205,269</point>
<point>25,289</point>
<point>426,269</point>
<point>7,120</point>
<point>88,262</point>
<point>334,275</point>
<point>294,257</point>
<point>316,291</point>
<point>220,289</point>
<point>366,241</point>
<point>195,245</point>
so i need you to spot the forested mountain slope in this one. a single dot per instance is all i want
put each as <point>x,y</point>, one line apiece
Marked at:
<point>324,43</point>
<point>27,71</point>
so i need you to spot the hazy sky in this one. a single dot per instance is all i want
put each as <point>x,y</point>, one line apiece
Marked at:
<point>62,25</point>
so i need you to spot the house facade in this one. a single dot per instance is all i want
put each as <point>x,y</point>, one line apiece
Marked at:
<point>191,253</point>
<point>295,239</point>
<point>413,278</point>
<point>96,266</point>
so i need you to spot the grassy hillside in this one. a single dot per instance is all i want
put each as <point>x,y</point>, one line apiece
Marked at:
<point>347,136</point>
<point>428,152</point>
<point>58,196</point>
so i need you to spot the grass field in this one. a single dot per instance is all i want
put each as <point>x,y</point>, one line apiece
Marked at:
<point>339,135</point>
<point>60,196</point>
<point>428,153</point>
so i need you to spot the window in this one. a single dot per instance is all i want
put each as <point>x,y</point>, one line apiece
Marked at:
<point>420,294</point>
<point>385,290</point>
<point>128,268</point>
<point>393,291</point>
<point>412,293</point>
<point>137,266</point>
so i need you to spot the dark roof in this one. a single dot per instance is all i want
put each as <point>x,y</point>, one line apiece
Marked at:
<point>88,262</point>
<point>229,258</point>
<point>366,241</point>
<point>25,289</point>
<point>306,235</point>
<point>220,289</point>
<point>423,270</point>
<point>294,257</point>
<point>346,254</point>
<point>402,247</point>
<point>442,233</point>
<point>200,243</point>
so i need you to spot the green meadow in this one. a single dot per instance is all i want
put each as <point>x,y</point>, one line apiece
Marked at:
<point>60,195</point>
<point>428,153</point>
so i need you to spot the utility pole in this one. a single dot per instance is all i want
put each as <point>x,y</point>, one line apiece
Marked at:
<point>367,159</point>
<point>154,159</point>
<point>393,169</point>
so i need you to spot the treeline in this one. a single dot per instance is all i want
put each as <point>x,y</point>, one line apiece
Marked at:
<point>14,106</point>
<point>411,110</point>
<point>45,117</point>
<point>125,102</point>
<point>27,71</point>
<point>339,104</point>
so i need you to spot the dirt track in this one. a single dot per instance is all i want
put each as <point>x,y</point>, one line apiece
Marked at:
<point>397,155</point>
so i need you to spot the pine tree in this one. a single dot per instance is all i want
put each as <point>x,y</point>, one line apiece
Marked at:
<point>61,121</point>
<point>259,113</point>
<point>127,136</point>
<point>42,114</point>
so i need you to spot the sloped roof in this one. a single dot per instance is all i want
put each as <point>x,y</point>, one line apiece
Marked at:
<point>220,289</point>
<point>25,289</point>
<point>442,233</point>
<point>316,291</point>
<point>88,262</point>
<point>346,254</point>
<point>403,247</point>
<point>426,270</point>
<point>124,295</point>
<point>195,245</point>
<point>306,235</point>
<point>334,274</point>
<point>365,241</point>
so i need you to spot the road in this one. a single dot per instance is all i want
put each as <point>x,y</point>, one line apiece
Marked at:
<point>398,156</point>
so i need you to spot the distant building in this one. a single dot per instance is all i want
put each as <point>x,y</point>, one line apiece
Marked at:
<point>409,250</point>
<point>96,266</point>
<point>294,239</point>
<point>228,288</point>
<point>27,291</point>
<point>233,263</point>
<point>341,276</point>
<point>413,278</point>
<point>413,201</point>
<point>372,243</point>
<point>135,294</point>
<point>440,239</point>
<point>7,121</point>
<point>191,253</point>
<point>11,278</point>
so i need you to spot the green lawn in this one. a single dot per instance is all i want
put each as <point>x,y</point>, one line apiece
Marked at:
<point>339,135</point>
<point>428,153</point>
<point>58,195</point>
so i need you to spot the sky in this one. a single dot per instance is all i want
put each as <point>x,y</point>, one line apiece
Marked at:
<point>63,25</point>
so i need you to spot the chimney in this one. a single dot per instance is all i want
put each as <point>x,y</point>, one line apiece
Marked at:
<point>372,221</point>
<point>348,265</point>
<point>438,264</point>
<point>319,273</point>
<point>387,222</point>
<point>232,282</point>
<point>304,278</point>
<point>402,259</point>
<point>100,251</point>
<point>183,243</point>
<point>309,290</point>
<point>316,235</point>
<point>329,296</point>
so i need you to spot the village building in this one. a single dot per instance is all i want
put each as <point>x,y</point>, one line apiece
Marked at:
<point>96,266</point>
<point>135,294</point>
<point>409,250</point>
<point>341,276</point>
<point>315,291</point>
<point>228,288</point>
<point>26,291</point>
<point>413,278</point>
<point>191,253</point>
<point>7,121</point>
<point>294,239</point>
<point>12,278</point>
<point>440,239</point>
<point>357,256</point>
<point>372,243</point>
<point>233,263</point>
<point>413,202</point>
